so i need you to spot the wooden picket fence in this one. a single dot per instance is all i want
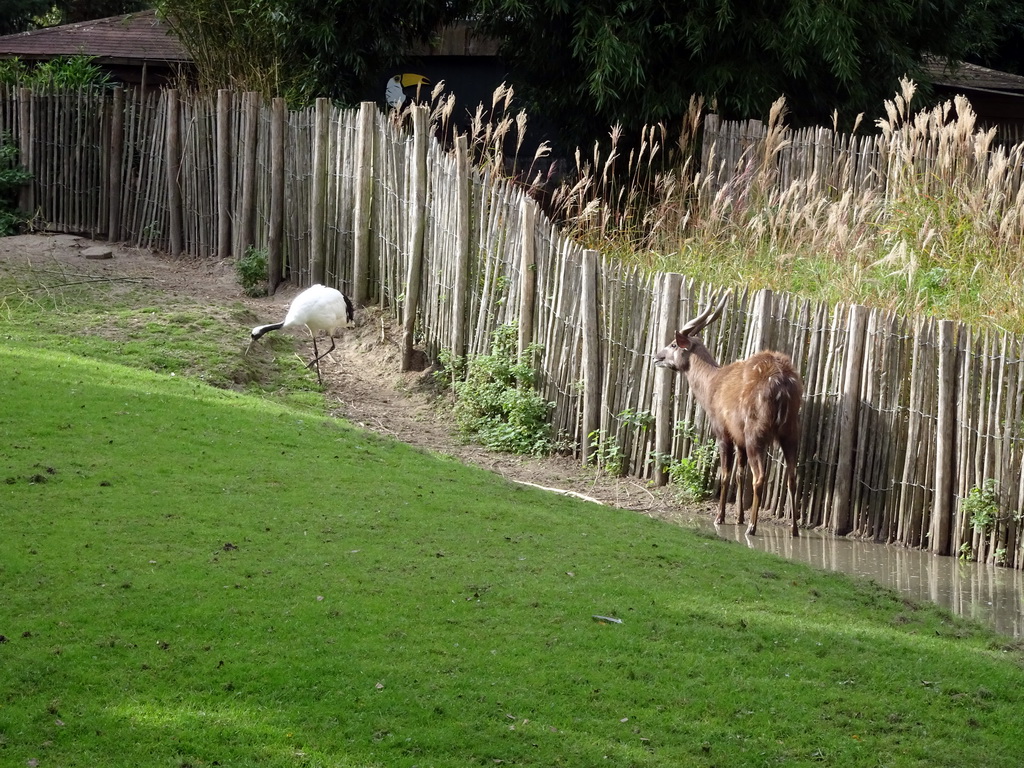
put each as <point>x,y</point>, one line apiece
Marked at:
<point>903,417</point>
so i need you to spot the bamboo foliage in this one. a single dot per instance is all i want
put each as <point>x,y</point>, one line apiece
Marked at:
<point>889,451</point>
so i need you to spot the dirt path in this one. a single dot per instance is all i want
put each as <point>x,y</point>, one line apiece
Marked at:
<point>362,378</point>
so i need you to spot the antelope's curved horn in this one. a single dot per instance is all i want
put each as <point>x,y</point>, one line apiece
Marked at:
<point>709,315</point>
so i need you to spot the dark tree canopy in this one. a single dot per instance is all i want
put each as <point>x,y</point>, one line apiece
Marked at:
<point>582,66</point>
<point>346,44</point>
<point>589,65</point>
<point>1007,51</point>
<point>85,10</point>
<point>22,15</point>
<point>19,15</point>
<point>303,48</point>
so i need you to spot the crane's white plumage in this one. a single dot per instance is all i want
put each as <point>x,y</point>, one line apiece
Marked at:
<point>318,308</point>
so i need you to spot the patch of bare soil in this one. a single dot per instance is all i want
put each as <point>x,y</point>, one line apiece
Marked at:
<point>362,377</point>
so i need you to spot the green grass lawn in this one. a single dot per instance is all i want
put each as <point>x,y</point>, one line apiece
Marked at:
<point>191,576</point>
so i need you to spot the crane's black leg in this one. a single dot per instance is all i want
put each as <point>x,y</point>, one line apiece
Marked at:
<point>325,353</point>
<point>315,361</point>
<point>316,357</point>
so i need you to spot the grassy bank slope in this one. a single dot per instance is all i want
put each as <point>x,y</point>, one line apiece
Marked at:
<point>194,577</point>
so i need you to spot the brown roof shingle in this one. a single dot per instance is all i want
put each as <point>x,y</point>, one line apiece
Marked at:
<point>132,38</point>
<point>972,76</point>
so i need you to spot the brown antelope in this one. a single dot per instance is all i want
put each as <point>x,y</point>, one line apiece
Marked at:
<point>750,403</point>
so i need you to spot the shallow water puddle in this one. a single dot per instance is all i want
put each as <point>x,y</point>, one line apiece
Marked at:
<point>992,595</point>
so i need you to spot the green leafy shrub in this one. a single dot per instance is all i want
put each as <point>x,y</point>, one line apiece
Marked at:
<point>496,404</point>
<point>639,420</point>
<point>981,507</point>
<point>252,271</point>
<point>60,73</point>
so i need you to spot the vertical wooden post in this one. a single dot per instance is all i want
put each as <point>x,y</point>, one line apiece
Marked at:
<point>364,190</point>
<point>173,154</point>
<point>417,227</point>
<point>909,531</point>
<point>318,208</point>
<point>116,155</point>
<point>223,173</point>
<point>849,408</point>
<point>759,328</point>
<point>591,322</point>
<point>275,268</point>
<point>942,503</point>
<point>967,392</point>
<point>461,246</point>
<point>528,275</point>
<point>668,317</point>
<point>26,131</point>
<point>758,338</point>
<point>245,217</point>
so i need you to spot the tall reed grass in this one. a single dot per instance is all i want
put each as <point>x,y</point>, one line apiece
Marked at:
<point>924,214</point>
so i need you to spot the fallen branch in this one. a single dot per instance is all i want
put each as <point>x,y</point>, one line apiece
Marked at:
<point>560,491</point>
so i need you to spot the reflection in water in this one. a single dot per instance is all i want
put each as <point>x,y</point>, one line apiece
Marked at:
<point>994,596</point>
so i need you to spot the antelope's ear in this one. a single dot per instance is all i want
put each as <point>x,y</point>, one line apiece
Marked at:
<point>682,340</point>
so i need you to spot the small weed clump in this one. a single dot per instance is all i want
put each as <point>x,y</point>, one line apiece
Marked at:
<point>692,474</point>
<point>606,454</point>
<point>610,451</point>
<point>981,507</point>
<point>252,271</point>
<point>495,403</point>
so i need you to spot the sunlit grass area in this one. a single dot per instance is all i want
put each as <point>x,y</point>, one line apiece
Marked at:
<point>198,576</point>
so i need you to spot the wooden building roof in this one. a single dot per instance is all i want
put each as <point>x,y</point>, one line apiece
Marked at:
<point>972,77</point>
<point>996,97</point>
<point>131,39</point>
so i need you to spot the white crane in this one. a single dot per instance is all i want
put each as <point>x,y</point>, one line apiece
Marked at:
<point>318,308</point>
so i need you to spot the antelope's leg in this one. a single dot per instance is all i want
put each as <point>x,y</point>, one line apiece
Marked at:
<point>725,455</point>
<point>789,453</point>
<point>741,485</point>
<point>757,469</point>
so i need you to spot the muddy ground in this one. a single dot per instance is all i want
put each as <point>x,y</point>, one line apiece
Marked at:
<point>362,377</point>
